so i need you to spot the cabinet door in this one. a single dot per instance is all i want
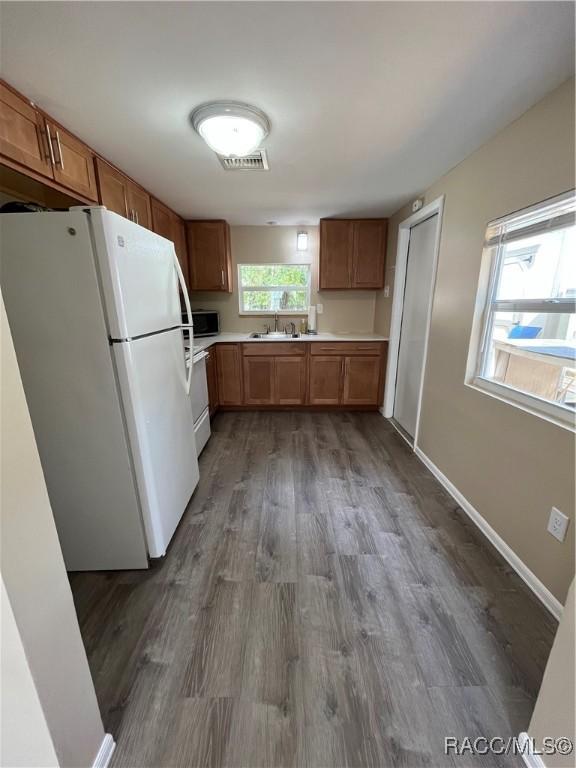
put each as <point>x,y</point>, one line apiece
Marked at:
<point>325,380</point>
<point>23,133</point>
<point>336,240</point>
<point>180,245</point>
<point>162,220</point>
<point>211,380</point>
<point>112,186</point>
<point>73,162</point>
<point>139,209</point>
<point>209,255</point>
<point>369,253</point>
<point>361,380</point>
<point>258,380</point>
<point>290,380</point>
<point>229,369</point>
<point>166,223</point>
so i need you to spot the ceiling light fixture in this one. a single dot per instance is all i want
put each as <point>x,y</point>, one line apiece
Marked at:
<point>302,241</point>
<point>230,128</point>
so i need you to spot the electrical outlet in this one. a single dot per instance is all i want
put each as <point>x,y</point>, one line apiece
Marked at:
<point>319,308</point>
<point>386,291</point>
<point>557,524</point>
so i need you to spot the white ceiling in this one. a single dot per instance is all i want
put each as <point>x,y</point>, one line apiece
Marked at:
<point>369,102</point>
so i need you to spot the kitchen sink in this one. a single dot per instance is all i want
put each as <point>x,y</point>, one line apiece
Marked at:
<point>274,335</point>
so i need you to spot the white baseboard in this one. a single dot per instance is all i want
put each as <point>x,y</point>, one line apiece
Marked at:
<point>105,752</point>
<point>529,578</point>
<point>530,759</point>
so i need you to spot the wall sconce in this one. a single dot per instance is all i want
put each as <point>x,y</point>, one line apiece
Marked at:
<point>302,241</point>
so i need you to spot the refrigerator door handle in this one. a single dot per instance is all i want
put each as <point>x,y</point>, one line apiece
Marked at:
<point>188,310</point>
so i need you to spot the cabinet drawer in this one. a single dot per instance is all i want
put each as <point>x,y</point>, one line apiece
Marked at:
<point>346,348</point>
<point>274,348</point>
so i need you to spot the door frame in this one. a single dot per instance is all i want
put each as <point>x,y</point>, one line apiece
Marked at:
<point>436,207</point>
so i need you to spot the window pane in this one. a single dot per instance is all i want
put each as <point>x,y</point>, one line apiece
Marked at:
<point>275,301</point>
<point>261,275</point>
<point>534,353</point>
<point>539,267</point>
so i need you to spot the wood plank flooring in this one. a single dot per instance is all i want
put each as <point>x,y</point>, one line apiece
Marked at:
<point>324,604</point>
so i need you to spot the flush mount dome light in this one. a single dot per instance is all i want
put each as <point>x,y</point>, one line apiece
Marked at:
<point>230,128</point>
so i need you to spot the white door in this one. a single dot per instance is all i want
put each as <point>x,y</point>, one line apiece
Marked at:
<point>414,328</point>
<point>138,274</point>
<point>152,375</point>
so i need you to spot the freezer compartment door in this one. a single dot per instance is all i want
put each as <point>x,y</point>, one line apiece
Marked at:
<point>138,275</point>
<point>152,375</point>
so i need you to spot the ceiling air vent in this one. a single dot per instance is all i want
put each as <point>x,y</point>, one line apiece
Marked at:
<point>257,161</point>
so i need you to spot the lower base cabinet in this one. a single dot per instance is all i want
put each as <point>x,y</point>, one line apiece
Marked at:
<point>258,380</point>
<point>229,367</point>
<point>290,380</point>
<point>274,380</point>
<point>361,384</point>
<point>339,374</point>
<point>325,380</point>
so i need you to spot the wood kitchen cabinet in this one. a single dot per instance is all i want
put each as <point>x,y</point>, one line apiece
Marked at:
<point>212,380</point>
<point>73,161</point>
<point>166,223</point>
<point>369,253</point>
<point>23,137</point>
<point>361,380</point>
<point>325,379</point>
<point>121,195</point>
<point>346,373</point>
<point>318,374</point>
<point>229,367</point>
<point>290,380</point>
<point>336,243</point>
<point>259,380</point>
<point>352,253</point>
<point>30,139</point>
<point>209,255</point>
<point>274,379</point>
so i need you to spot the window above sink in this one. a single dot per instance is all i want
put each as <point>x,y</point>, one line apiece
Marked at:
<point>264,289</point>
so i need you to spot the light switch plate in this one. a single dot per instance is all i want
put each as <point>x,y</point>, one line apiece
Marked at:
<point>558,524</point>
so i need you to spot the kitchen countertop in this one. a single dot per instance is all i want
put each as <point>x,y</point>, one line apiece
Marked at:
<point>205,342</point>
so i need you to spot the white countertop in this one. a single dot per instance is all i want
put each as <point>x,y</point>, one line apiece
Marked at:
<point>208,341</point>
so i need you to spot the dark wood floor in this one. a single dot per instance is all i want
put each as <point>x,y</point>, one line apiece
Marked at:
<point>324,603</point>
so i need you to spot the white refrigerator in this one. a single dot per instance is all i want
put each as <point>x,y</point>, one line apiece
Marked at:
<point>94,309</point>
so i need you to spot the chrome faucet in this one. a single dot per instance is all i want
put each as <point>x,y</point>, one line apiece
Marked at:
<point>275,322</point>
<point>290,328</point>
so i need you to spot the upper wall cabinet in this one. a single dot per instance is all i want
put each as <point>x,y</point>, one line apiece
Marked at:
<point>29,139</point>
<point>121,195</point>
<point>166,223</point>
<point>209,255</point>
<point>73,161</point>
<point>352,253</point>
<point>22,134</point>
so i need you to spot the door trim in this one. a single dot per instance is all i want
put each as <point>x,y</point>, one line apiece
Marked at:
<point>436,207</point>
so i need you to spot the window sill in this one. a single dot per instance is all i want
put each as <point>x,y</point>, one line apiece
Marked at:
<point>543,409</point>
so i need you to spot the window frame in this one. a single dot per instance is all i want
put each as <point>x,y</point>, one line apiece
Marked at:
<point>268,288</point>
<point>487,304</point>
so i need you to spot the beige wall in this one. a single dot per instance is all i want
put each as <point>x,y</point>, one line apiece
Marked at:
<point>512,466</point>
<point>37,586</point>
<point>343,310</point>
<point>554,715</point>
<point>22,713</point>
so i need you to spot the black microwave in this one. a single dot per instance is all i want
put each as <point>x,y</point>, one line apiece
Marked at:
<point>206,322</point>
